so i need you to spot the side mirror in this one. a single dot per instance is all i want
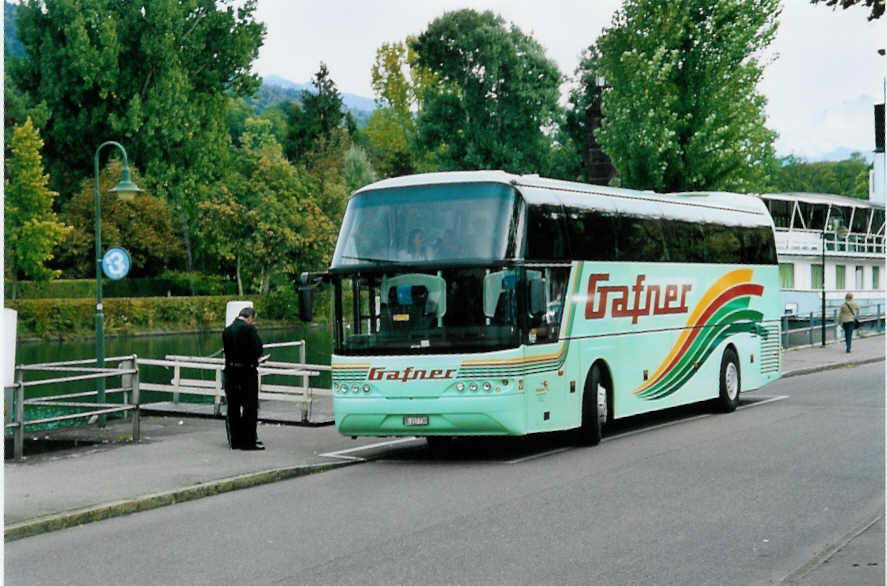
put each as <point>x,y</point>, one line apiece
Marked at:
<point>306,303</point>
<point>537,296</point>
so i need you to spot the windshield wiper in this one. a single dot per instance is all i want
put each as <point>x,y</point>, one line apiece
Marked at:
<point>368,259</point>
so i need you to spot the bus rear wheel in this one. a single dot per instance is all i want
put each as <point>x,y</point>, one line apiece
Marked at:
<point>730,382</point>
<point>594,409</point>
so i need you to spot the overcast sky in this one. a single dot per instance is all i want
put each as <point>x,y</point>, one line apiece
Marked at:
<point>824,77</point>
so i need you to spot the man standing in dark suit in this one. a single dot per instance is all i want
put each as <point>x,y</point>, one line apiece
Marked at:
<point>242,350</point>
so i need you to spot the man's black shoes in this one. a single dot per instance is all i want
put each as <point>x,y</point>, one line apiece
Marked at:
<point>256,447</point>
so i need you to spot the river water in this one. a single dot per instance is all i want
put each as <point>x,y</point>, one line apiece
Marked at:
<point>317,337</point>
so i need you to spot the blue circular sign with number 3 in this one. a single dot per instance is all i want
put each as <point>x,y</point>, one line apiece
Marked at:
<point>116,263</point>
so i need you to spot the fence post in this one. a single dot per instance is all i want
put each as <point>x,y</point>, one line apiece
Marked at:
<point>19,439</point>
<point>306,390</point>
<point>136,401</point>
<point>810,329</point>
<point>176,375</point>
<point>217,400</point>
<point>783,325</point>
<point>879,318</point>
<point>837,326</point>
<point>125,383</point>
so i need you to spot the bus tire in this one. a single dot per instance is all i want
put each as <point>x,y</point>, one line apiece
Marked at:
<point>594,409</point>
<point>730,382</point>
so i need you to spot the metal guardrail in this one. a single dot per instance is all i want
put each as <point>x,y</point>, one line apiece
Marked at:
<point>871,320</point>
<point>127,370</point>
<point>131,387</point>
<point>181,385</point>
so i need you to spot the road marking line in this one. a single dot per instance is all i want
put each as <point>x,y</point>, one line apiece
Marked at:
<point>540,455</point>
<point>655,427</point>
<point>763,402</point>
<point>341,453</point>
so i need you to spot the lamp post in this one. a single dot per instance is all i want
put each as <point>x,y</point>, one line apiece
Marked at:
<point>126,190</point>
<point>841,232</point>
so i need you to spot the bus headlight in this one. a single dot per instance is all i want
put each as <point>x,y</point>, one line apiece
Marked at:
<point>488,387</point>
<point>460,387</point>
<point>355,389</point>
<point>366,388</point>
<point>472,387</point>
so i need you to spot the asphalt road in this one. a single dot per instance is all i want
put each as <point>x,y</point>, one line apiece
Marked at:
<point>682,498</point>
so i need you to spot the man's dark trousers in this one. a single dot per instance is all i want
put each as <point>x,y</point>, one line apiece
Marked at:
<point>242,393</point>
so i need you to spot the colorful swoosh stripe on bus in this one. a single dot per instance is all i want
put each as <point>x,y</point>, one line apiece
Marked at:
<point>722,311</point>
<point>350,372</point>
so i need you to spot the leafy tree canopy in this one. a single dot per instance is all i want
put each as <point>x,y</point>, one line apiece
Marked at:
<point>144,227</point>
<point>265,217</point>
<point>320,113</point>
<point>31,227</point>
<point>681,110</point>
<point>154,75</point>
<point>848,177</point>
<point>493,98</point>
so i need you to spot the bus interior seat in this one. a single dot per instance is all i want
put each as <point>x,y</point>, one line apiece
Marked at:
<point>410,301</point>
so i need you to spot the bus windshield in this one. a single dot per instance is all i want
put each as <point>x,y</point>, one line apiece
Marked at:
<point>474,222</point>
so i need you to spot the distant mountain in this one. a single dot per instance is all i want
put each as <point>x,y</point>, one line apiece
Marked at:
<point>351,101</point>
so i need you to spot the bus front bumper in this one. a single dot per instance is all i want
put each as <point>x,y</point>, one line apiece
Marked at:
<point>447,415</point>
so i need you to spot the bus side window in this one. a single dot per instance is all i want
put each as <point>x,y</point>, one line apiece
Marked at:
<point>545,233</point>
<point>591,234</point>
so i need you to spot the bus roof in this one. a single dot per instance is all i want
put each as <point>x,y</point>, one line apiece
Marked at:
<point>713,207</point>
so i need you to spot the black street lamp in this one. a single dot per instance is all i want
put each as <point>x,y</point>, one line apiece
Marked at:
<point>126,190</point>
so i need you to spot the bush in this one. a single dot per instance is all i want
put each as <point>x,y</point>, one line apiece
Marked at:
<point>169,283</point>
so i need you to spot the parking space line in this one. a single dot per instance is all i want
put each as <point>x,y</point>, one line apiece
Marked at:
<point>540,455</point>
<point>342,453</point>
<point>655,427</point>
<point>763,402</point>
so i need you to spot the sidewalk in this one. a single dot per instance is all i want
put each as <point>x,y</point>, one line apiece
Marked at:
<point>182,458</point>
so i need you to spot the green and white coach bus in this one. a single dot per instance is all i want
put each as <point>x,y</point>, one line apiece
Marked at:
<point>483,303</point>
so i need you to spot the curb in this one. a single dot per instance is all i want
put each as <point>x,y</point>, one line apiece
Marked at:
<point>814,369</point>
<point>153,501</point>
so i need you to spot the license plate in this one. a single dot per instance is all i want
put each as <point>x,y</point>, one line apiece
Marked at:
<point>415,420</point>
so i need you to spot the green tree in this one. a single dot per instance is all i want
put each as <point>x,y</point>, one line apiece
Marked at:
<point>265,217</point>
<point>358,171</point>
<point>17,108</point>
<point>848,177</point>
<point>320,113</point>
<point>493,103</point>
<point>681,110</point>
<point>154,75</point>
<point>31,227</point>
<point>143,226</point>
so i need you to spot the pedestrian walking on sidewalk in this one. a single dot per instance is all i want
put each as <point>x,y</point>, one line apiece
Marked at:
<point>847,318</point>
<point>243,347</point>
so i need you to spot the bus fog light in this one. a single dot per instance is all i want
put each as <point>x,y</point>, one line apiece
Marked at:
<point>472,387</point>
<point>487,387</point>
<point>460,387</point>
